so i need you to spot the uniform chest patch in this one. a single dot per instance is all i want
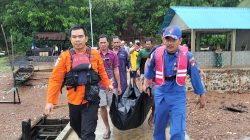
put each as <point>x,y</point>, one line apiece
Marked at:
<point>192,62</point>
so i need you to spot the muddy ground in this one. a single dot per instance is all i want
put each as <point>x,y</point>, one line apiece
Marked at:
<point>226,115</point>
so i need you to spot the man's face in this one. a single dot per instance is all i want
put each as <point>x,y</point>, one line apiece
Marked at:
<point>122,43</point>
<point>148,45</point>
<point>116,43</point>
<point>103,43</point>
<point>78,39</point>
<point>171,44</point>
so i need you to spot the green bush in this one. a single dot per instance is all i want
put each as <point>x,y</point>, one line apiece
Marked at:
<point>21,42</point>
<point>213,39</point>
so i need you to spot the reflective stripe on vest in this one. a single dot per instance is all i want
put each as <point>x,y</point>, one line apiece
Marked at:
<point>159,67</point>
<point>181,67</point>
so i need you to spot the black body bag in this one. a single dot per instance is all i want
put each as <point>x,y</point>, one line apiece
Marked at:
<point>130,110</point>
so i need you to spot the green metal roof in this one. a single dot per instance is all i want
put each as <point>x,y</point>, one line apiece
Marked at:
<point>210,17</point>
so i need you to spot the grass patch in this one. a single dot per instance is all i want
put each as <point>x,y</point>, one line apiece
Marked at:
<point>4,64</point>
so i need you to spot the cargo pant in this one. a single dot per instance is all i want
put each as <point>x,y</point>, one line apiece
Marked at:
<point>83,119</point>
<point>170,107</point>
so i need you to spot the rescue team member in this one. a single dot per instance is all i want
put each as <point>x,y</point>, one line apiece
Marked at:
<point>83,114</point>
<point>169,65</point>
<point>152,83</point>
<point>111,64</point>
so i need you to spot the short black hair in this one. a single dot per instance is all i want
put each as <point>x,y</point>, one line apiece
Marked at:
<point>148,39</point>
<point>76,27</point>
<point>103,36</point>
<point>115,37</point>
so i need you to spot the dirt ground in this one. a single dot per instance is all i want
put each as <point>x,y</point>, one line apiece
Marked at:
<point>226,115</point>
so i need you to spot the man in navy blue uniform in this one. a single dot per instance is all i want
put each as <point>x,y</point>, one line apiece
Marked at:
<point>169,65</point>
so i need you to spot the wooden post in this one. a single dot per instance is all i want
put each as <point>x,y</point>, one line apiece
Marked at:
<point>26,130</point>
<point>193,40</point>
<point>197,40</point>
<point>227,42</point>
<point>233,43</point>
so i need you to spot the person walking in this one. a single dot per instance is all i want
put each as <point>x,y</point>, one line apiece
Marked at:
<point>142,57</point>
<point>124,61</point>
<point>169,65</point>
<point>111,64</point>
<point>83,103</point>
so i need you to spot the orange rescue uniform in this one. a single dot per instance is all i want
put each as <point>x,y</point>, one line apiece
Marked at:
<point>63,66</point>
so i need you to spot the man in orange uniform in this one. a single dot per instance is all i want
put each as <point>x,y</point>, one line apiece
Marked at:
<point>83,114</point>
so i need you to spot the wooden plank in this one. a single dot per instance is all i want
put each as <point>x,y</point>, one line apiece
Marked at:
<point>65,133</point>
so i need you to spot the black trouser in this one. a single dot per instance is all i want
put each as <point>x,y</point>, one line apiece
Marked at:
<point>83,119</point>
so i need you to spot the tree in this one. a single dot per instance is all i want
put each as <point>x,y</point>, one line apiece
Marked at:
<point>2,11</point>
<point>24,18</point>
<point>130,19</point>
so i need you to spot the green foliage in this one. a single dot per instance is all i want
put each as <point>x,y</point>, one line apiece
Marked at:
<point>23,19</point>
<point>21,43</point>
<point>213,39</point>
<point>129,19</point>
<point>44,15</point>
